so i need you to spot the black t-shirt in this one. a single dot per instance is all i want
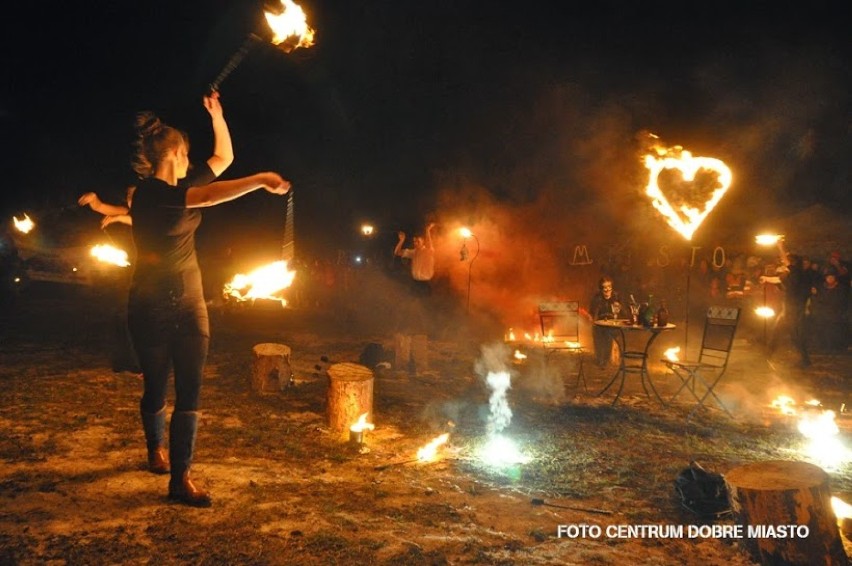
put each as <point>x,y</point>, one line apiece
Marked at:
<point>164,228</point>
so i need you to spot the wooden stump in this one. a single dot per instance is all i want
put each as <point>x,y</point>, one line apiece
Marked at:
<point>401,351</point>
<point>767,495</point>
<point>271,371</point>
<point>420,352</point>
<point>350,395</point>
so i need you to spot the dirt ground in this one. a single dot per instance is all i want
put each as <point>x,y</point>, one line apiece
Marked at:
<point>74,489</point>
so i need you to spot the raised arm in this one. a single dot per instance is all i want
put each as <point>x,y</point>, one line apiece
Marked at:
<point>218,192</point>
<point>428,236</point>
<point>223,150</point>
<point>400,239</point>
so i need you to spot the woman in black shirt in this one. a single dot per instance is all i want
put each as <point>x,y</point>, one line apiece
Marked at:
<point>167,313</point>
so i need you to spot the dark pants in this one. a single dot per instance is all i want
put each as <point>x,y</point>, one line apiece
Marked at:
<point>603,338</point>
<point>170,330</point>
<point>796,324</point>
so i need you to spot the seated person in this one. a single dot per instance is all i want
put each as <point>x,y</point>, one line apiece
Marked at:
<point>603,306</point>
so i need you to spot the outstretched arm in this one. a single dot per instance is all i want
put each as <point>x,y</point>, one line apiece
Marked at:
<point>223,150</point>
<point>218,192</point>
<point>96,204</point>
<point>119,218</point>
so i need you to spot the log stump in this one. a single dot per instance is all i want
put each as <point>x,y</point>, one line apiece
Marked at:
<point>401,351</point>
<point>767,497</point>
<point>419,352</point>
<point>271,371</point>
<point>350,395</point>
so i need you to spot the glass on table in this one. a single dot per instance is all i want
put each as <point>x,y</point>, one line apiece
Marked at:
<point>616,308</point>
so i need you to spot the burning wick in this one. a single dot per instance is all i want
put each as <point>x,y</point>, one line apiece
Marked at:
<point>357,430</point>
<point>110,254</point>
<point>767,239</point>
<point>367,230</point>
<point>428,452</point>
<point>24,225</point>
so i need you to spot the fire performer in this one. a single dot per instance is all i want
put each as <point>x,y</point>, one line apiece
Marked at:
<point>167,316</point>
<point>794,318</point>
<point>122,355</point>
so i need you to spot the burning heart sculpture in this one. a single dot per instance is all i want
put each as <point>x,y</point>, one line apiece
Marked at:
<point>684,216</point>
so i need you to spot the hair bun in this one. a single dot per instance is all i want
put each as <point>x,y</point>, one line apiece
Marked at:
<point>147,124</point>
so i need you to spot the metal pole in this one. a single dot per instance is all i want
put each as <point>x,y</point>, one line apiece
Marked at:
<point>686,322</point>
<point>470,270</point>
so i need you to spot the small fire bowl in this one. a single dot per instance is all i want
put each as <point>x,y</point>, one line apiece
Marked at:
<point>356,437</point>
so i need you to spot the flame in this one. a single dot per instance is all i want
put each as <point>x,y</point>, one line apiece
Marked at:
<point>519,355</point>
<point>686,218</point>
<point>784,404</point>
<point>820,428</point>
<point>465,232</point>
<point>428,452</point>
<point>767,239</point>
<point>510,336</point>
<point>110,254</point>
<point>842,510</point>
<point>24,225</point>
<point>291,25</point>
<point>671,354</point>
<point>263,283</point>
<point>764,312</point>
<point>362,424</point>
<point>367,229</point>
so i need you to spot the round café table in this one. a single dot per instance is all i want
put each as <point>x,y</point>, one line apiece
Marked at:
<point>633,360</point>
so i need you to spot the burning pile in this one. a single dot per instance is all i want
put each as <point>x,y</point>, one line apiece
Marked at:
<point>818,425</point>
<point>266,282</point>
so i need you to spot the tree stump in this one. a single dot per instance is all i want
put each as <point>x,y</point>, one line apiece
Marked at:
<point>271,371</point>
<point>401,351</point>
<point>420,352</point>
<point>767,495</point>
<point>350,395</point>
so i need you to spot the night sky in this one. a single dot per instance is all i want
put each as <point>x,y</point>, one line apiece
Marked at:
<point>404,110</point>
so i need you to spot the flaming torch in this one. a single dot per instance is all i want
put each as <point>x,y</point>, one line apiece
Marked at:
<point>290,30</point>
<point>24,225</point>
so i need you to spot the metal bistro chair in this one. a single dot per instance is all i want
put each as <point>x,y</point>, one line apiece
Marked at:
<point>716,343</point>
<point>560,331</point>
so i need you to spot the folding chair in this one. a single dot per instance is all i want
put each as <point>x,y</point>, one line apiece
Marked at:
<point>560,331</point>
<point>716,343</point>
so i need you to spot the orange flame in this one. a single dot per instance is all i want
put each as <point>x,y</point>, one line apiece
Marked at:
<point>767,239</point>
<point>367,229</point>
<point>671,354</point>
<point>685,217</point>
<point>24,225</point>
<point>428,452</point>
<point>110,254</point>
<point>291,25</point>
<point>520,355</point>
<point>362,424</point>
<point>764,312</point>
<point>265,282</point>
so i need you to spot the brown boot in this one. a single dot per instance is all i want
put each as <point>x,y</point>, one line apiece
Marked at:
<point>158,461</point>
<point>186,492</point>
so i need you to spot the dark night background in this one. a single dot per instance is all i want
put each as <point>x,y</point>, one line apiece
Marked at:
<point>401,107</point>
